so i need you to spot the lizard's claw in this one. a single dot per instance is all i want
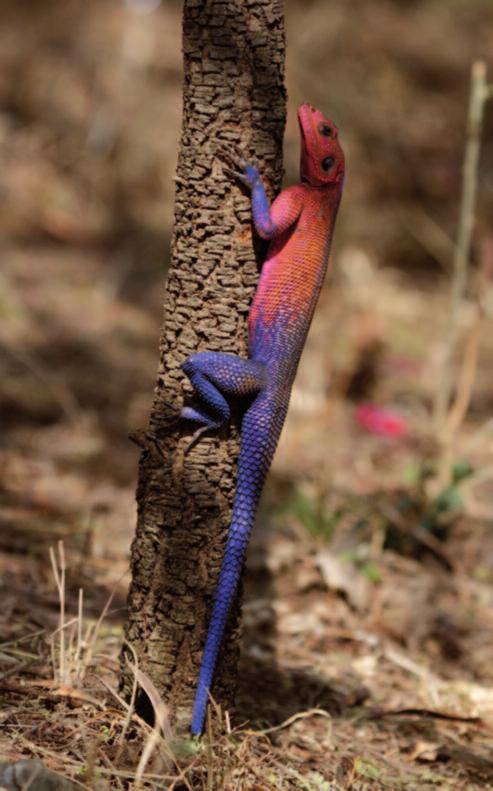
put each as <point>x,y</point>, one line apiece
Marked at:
<point>196,436</point>
<point>237,167</point>
<point>233,157</point>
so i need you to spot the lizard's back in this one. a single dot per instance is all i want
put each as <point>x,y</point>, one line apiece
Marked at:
<point>288,288</point>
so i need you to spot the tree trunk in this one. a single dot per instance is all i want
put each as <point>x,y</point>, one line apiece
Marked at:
<point>233,96</point>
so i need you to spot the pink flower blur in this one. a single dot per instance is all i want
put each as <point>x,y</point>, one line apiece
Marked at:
<point>381,420</point>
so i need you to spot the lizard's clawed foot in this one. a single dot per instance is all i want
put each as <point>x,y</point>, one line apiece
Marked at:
<point>198,434</point>
<point>197,416</point>
<point>237,166</point>
<point>233,157</point>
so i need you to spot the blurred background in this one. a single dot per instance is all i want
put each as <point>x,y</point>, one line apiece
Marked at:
<point>357,534</point>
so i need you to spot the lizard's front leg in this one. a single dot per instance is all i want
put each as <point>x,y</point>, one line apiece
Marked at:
<point>269,221</point>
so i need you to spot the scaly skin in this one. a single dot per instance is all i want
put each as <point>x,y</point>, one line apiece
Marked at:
<point>299,224</point>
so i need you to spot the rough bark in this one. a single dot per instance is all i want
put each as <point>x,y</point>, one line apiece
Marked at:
<point>233,95</point>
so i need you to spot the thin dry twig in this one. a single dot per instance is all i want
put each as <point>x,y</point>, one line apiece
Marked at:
<point>26,637</point>
<point>92,635</point>
<point>478,96</point>
<point>76,646</point>
<point>302,715</point>
<point>427,713</point>
<point>59,568</point>
<point>130,709</point>
<point>162,726</point>
<point>466,378</point>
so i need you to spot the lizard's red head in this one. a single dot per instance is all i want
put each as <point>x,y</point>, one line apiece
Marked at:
<point>322,158</point>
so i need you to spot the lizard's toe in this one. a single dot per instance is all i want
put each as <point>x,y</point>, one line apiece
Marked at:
<point>233,157</point>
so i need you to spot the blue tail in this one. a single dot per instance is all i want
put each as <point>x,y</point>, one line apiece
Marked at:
<point>259,434</point>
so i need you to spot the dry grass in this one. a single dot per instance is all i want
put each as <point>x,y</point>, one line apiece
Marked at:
<point>388,718</point>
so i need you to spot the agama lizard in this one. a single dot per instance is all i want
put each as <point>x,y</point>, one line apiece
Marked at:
<point>299,224</point>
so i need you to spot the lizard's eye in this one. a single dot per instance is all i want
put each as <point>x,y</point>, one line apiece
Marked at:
<point>325,130</point>
<point>327,163</point>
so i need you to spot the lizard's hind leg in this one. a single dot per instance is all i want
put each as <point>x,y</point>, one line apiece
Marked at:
<point>214,375</point>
